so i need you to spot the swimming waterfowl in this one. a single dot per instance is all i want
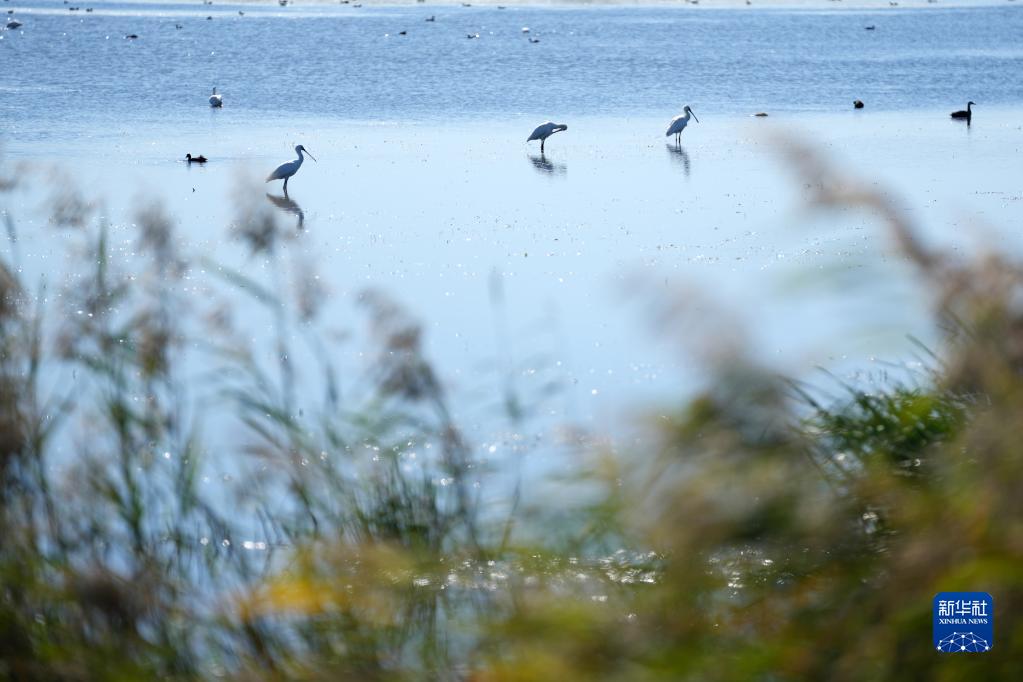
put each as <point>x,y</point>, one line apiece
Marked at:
<point>216,101</point>
<point>195,159</point>
<point>857,104</point>
<point>964,114</point>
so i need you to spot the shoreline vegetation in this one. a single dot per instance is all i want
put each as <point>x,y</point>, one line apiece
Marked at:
<point>774,532</point>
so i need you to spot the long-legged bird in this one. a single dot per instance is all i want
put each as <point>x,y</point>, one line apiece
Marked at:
<point>544,131</point>
<point>679,123</point>
<point>286,170</point>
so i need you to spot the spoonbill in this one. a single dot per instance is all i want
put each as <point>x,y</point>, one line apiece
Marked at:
<point>679,123</point>
<point>967,113</point>
<point>216,101</point>
<point>195,159</point>
<point>544,131</point>
<point>286,170</point>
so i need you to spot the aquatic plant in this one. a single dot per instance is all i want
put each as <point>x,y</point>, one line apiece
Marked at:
<point>773,533</point>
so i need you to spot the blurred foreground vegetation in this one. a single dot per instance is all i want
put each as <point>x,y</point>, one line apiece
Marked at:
<point>771,535</point>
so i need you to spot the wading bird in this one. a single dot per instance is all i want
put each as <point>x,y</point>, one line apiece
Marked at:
<point>964,114</point>
<point>286,170</point>
<point>195,159</point>
<point>544,131</point>
<point>216,101</point>
<point>679,123</point>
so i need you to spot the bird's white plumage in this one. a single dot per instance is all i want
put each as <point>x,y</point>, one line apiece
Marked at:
<point>679,123</point>
<point>286,170</point>
<point>216,101</point>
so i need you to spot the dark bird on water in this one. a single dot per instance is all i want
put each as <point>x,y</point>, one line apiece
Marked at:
<point>857,104</point>
<point>195,159</point>
<point>545,130</point>
<point>966,114</point>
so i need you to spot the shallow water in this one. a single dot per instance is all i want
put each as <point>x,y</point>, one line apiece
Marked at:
<point>425,187</point>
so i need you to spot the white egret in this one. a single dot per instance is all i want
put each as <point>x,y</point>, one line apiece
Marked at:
<point>544,131</point>
<point>967,113</point>
<point>216,101</point>
<point>679,123</point>
<point>286,170</point>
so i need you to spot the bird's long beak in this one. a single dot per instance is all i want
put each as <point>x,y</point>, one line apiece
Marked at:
<point>310,155</point>
<point>694,115</point>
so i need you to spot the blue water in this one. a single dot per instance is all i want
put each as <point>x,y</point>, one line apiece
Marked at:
<point>425,187</point>
<point>66,71</point>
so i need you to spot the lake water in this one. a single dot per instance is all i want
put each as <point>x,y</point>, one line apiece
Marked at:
<point>425,186</point>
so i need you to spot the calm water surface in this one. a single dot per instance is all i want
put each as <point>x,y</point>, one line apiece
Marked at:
<point>72,69</point>
<point>426,188</point>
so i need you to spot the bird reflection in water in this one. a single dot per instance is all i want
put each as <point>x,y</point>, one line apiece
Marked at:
<point>542,164</point>
<point>288,205</point>
<point>679,154</point>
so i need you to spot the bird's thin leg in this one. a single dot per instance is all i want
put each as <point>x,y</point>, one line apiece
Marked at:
<point>286,186</point>
<point>541,146</point>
